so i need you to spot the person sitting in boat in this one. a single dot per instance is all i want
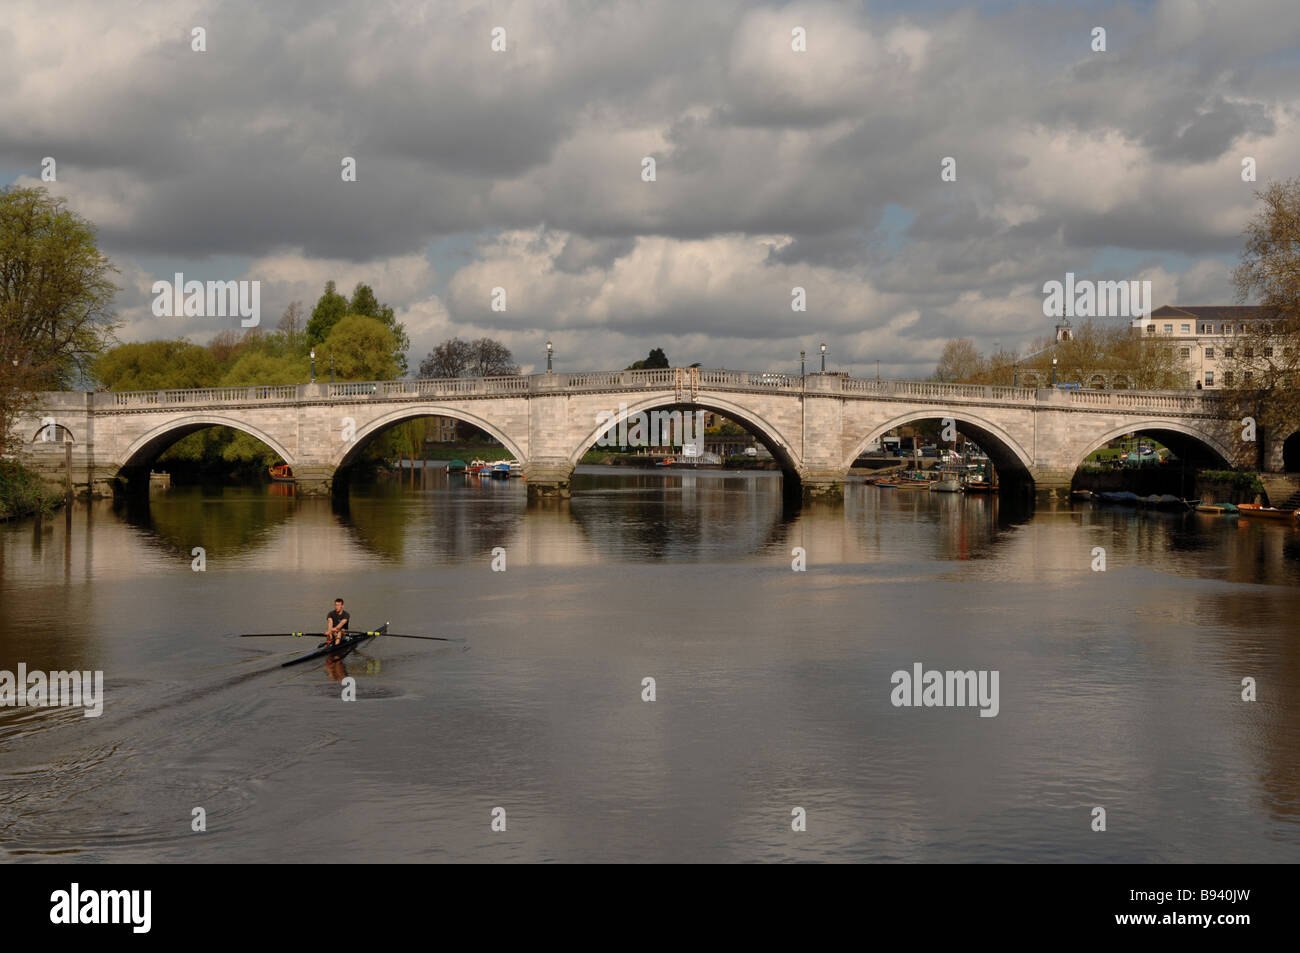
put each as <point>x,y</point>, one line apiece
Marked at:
<point>336,623</point>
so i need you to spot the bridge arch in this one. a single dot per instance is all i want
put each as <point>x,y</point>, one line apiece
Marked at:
<point>145,448</point>
<point>1003,449</point>
<point>1177,436</point>
<point>768,434</point>
<point>348,452</point>
<point>58,433</point>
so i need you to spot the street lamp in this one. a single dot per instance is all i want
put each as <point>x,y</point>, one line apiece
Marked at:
<point>313,365</point>
<point>1053,372</point>
<point>549,351</point>
<point>823,357</point>
<point>331,367</point>
<point>803,369</point>
<point>1015,374</point>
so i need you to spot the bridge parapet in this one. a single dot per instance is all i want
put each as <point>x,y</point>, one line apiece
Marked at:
<point>685,380</point>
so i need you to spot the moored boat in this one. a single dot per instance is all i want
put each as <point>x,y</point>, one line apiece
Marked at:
<point>516,468</point>
<point>945,486</point>
<point>455,466</point>
<point>281,473</point>
<point>978,486</point>
<point>1258,511</point>
<point>1223,509</point>
<point>501,468</point>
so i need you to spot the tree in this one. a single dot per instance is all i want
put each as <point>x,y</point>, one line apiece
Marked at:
<point>451,358</point>
<point>1265,359</point>
<point>157,365</point>
<point>292,324</point>
<point>492,359</point>
<point>363,350</point>
<point>261,367</point>
<point>329,310</point>
<point>55,299</point>
<point>456,358</point>
<point>655,359</point>
<point>960,361</point>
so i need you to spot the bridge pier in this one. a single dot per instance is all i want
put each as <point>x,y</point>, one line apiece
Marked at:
<point>548,479</point>
<point>821,486</point>
<point>1052,484</point>
<point>313,480</point>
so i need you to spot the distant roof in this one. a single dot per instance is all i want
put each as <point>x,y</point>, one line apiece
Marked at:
<point>1218,312</point>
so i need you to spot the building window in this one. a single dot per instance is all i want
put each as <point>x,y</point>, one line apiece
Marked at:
<point>1227,329</point>
<point>1268,352</point>
<point>1227,378</point>
<point>1246,378</point>
<point>1209,378</point>
<point>1249,352</point>
<point>1228,352</point>
<point>1209,352</point>
<point>1185,329</point>
<point>1207,329</point>
<point>1184,352</point>
<point>1169,329</point>
<point>1241,329</point>
<point>1151,329</point>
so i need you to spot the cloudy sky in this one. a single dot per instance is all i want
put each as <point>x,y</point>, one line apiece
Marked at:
<point>774,168</point>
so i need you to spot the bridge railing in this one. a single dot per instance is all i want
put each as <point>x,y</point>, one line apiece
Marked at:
<point>934,389</point>
<point>151,398</point>
<point>659,378</point>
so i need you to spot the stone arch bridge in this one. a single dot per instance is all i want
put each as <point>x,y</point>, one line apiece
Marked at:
<point>815,426</point>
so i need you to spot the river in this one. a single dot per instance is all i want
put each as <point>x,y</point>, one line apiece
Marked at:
<point>1118,689</point>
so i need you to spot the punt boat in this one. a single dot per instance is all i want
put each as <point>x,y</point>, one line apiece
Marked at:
<point>1256,511</point>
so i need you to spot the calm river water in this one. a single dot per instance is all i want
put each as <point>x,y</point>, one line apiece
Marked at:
<point>1119,689</point>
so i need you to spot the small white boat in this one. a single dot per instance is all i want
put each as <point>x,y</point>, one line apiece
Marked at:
<point>945,486</point>
<point>516,468</point>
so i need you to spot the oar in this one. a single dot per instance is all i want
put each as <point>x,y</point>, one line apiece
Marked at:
<point>391,635</point>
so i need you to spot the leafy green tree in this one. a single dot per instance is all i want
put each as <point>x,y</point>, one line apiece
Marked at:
<point>363,349</point>
<point>157,365</point>
<point>261,367</point>
<point>329,310</point>
<point>56,296</point>
<point>1266,359</point>
<point>656,358</point>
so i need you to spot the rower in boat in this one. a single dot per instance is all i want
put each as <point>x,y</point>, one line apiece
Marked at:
<point>336,623</point>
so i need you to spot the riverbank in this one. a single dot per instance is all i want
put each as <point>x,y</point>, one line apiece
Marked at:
<point>24,493</point>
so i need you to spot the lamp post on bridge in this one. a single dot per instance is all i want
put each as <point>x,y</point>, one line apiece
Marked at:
<point>803,371</point>
<point>1053,372</point>
<point>331,367</point>
<point>313,365</point>
<point>823,357</point>
<point>549,351</point>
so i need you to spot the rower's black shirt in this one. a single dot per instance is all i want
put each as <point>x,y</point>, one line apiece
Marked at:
<point>337,617</point>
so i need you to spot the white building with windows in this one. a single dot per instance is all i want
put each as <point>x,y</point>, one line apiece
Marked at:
<point>1205,339</point>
